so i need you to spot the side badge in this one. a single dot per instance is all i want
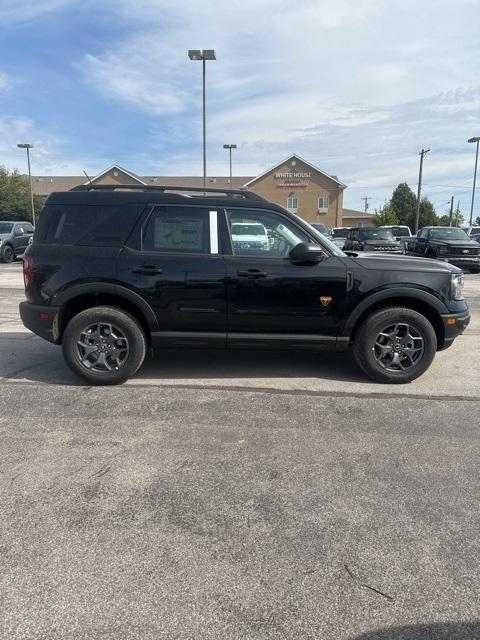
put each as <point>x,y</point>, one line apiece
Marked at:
<point>325,300</point>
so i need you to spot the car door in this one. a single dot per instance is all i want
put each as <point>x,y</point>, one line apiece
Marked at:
<point>173,262</point>
<point>274,301</point>
<point>20,239</point>
<point>421,242</point>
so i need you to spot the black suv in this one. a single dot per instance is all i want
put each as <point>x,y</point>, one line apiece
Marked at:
<point>371,239</point>
<point>14,239</point>
<point>450,244</point>
<point>113,271</point>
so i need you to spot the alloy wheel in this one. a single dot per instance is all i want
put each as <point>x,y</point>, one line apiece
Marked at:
<point>102,347</point>
<point>398,347</point>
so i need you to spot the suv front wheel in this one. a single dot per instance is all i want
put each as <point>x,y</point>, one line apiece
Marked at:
<point>104,345</point>
<point>395,345</point>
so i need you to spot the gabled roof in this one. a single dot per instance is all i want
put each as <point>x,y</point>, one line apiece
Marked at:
<point>297,157</point>
<point>118,168</point>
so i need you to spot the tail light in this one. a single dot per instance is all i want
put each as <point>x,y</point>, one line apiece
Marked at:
<point>27,270</point>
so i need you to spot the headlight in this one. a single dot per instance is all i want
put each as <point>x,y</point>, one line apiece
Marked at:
<point>443,250</point>
<point>457,286</point>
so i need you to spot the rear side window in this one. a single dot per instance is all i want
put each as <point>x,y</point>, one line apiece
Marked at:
<point>87,225</point>
<point>177,230</point>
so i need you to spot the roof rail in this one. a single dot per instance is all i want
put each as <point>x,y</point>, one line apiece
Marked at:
<point>233,193</point>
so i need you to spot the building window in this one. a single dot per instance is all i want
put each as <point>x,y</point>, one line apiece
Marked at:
<point>292,203</point>
<point>323,203</point>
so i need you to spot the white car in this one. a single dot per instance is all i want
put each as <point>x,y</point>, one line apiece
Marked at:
<point>250,235</point>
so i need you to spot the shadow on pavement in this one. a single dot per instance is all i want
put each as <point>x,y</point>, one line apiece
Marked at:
<point>435,631</point>
<point>28,357</point>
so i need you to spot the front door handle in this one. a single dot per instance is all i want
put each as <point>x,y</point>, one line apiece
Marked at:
<point>252,273</point>
<point>147,270</point>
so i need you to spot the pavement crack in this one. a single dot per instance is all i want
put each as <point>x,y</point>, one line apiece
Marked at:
<point>101,472</point>
<point>367,586</point>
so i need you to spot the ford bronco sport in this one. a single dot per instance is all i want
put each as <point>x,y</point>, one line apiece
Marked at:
<point>115,270</point>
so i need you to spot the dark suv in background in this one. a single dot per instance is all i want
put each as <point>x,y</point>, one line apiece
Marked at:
<point>14,239</point>
<point>113,271</point>
<point>368,239</point>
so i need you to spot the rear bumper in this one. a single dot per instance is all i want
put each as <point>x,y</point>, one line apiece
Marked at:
<point>42,320</point>
<point>454,324</point>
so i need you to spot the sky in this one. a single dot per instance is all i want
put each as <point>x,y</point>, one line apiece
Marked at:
<point>356,88</point>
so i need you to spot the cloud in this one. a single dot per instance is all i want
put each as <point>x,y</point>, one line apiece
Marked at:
<point>4,81</point>
<point>22,11</point>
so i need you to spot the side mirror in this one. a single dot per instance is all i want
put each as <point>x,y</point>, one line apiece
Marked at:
<point>18,232</point>
<point>306,253</point>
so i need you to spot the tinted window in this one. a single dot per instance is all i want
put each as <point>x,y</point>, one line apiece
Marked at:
<point>177,230</point>
<point>340,233</point>
<point>5,227</point>
<point>86,225</point>
<point>277,238</point>
<point>448,234</point>
<point>375,234</point>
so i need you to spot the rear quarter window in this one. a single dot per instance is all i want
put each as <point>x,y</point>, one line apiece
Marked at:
<point>86,225</point>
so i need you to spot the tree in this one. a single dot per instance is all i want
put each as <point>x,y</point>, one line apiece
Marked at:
<point>385,215</point>
<point>15,196</point>
<point>428,216</point>
<point>477,221</point>
<point>404,205</point>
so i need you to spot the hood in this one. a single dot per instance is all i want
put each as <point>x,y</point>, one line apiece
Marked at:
<point>387,262</point>
<point>247,238</point>
<point>456,243</point>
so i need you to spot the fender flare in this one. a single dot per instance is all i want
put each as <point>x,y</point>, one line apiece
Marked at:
<point>93,288</point>
<point>386,294</point>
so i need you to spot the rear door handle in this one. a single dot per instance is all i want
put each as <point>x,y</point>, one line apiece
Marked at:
<point>252,273</point>
<point>147,270</point>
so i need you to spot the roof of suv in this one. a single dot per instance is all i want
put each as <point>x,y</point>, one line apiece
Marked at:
<point>128,194</point>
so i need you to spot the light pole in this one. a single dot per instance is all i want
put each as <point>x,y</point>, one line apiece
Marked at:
<point>203,55</point>
<point>477,140</point>
<point>230,147</point>
<point>28,147</point>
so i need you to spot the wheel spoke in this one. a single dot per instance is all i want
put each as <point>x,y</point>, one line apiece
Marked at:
<point>102,347</point>
<point>398,347</point>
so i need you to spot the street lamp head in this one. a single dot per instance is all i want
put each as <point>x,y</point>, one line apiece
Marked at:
<point>209,54</point>
<point>475,139</point>
<point>25,146</point>
<point>195,54</point>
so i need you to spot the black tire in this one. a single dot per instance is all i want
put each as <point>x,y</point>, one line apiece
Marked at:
<point>374,345</point>
<point>7,254</point>
<point>128,345</point>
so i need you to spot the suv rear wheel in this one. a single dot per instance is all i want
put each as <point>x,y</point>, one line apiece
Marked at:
<point>104,345</point>
<point>7,254</point>
<point>395,345</point>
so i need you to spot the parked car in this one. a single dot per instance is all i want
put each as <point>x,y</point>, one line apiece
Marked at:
<point>399,232</point>
<point>14,239</point>
<point>471,231</point>
<point>113,271</point>
<point>475,237</point>
<point>339,235</point>
<point>449,244</point>
<point>249,235</point>
<point>368,239</point>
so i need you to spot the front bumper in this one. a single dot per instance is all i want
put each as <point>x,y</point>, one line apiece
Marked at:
<point>42,320</point>
<point>468,262</point>
<point>454,324</point>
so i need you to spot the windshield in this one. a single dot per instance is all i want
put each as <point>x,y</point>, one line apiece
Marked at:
<point>400,231</point>
<point>325,240</point>
<point>340,233</point>
<point>448,233</point>
<point>375,234</point>
<point>248,230</point>
<point>6,227</point>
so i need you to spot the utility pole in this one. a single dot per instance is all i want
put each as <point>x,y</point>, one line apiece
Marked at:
<point>366,199</point>
<point>422,154</point>
<point>451,211</point>
<point>457,213</point>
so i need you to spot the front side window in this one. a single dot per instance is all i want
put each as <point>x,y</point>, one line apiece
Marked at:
<point>323,203</point>
<point>18,229</point>
<point>263,234</point>
<point>292,203</point>
<point>177,230</point>
<point>6,227</point>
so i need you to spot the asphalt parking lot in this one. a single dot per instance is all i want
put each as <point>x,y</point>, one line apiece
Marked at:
<point>219,496</point>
